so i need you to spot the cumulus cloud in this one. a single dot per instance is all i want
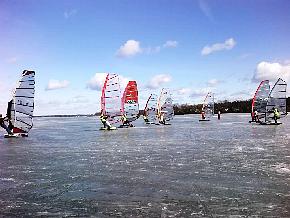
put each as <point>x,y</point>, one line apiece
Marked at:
<point>129,49</point>
<point>57,84</point>
<point>97,81</point>
<point>271,71</point>
<point>133,47</point>
<point>69,13</point>
<point>227,45</point>
<point>214,82</point>
<point>170,44</point>
<point>158,80</point>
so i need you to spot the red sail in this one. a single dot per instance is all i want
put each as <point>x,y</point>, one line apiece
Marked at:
<point>130,104</point>
<point>103,102</point>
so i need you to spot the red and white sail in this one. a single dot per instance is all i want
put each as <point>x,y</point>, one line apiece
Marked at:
<point>111,98</point>
<point>260,99</point>
<point>20,108</point>
<point>130,104</point>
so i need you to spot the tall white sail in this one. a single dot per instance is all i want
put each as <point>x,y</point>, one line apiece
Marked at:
<point>277,100</point>
<point>260,99</point>
<point>208,106</point>
<point>111,98</point>
<point>21,107</point>
<point>150,110</point>
<point>165,105</point>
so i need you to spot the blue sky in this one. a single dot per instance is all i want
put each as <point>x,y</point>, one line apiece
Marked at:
<point>189,46</point>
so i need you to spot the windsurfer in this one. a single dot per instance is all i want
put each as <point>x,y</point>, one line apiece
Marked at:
<point>105,122</point>
<point>202,115</point>
<point>145,118</point>
<point>219,115</point>
<point>125,121</point>
<point>3,125</point>
<point>256,117</point>
<point>276,114</point>
<point>162,119</point>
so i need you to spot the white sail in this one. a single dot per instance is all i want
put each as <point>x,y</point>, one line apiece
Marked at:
<point>165,105</point>
<point>208,106</point>
<point>111,98</point>
<point>277,100</point>
<point>260,99</point>
<point>150,110</point>
<point>22,104</point>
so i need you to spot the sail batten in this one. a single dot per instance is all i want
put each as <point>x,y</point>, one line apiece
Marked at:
<point>165,105</point>
<point>208,106</point>
<point>20,108</point>
<point>130,102</point>
<point>260,99</point>
<point>110,99</point>
<point>276,100</point>
<point>150,110</point>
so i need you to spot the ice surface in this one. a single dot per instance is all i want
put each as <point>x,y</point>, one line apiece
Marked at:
<point>226,168</point>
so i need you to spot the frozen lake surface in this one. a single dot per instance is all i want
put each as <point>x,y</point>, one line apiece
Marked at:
<point>226,168</point>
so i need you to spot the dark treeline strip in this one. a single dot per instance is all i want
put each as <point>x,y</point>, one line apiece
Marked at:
<point>224,107</point>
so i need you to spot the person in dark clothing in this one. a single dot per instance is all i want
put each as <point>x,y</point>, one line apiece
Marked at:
<point>219,115</point>
<point>3,125</point>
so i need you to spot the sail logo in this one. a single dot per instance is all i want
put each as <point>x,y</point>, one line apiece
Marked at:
<point>131,102</point>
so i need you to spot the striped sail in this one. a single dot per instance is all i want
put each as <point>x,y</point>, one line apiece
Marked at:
<point>165,105</point>
<point>111,98</point>
<point>21,107</point>
<point>260,99</point>
<point>208,106</point>
<point>277,99</point>
<point>130,102</point>
<point>150,110</point>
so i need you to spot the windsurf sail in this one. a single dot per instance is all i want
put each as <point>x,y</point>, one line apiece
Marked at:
<point>130,104</point>
<point>150,110</point>
<point>111,98</point>
<point>260,99</point>
<point>276,100</point>
<point>208,106</point>
<point>20,108</point>
<point>165,105</point>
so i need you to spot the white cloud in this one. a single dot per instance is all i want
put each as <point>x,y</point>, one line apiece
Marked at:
<point>129,49</point>
<point>133,47</point>
<point>69,13</point>
<point>170,44</point>
<point>214,82</point>
<point>271,71</point>
<point>151,50</point>
<point>57,84</point>
<point>204,7</point>
<point>97,81</point>
<point>184,91</point>
<point>158,80</point>
<point>227,45</point>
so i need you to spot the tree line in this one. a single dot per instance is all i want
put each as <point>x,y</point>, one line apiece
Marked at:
<point>223,106</point>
